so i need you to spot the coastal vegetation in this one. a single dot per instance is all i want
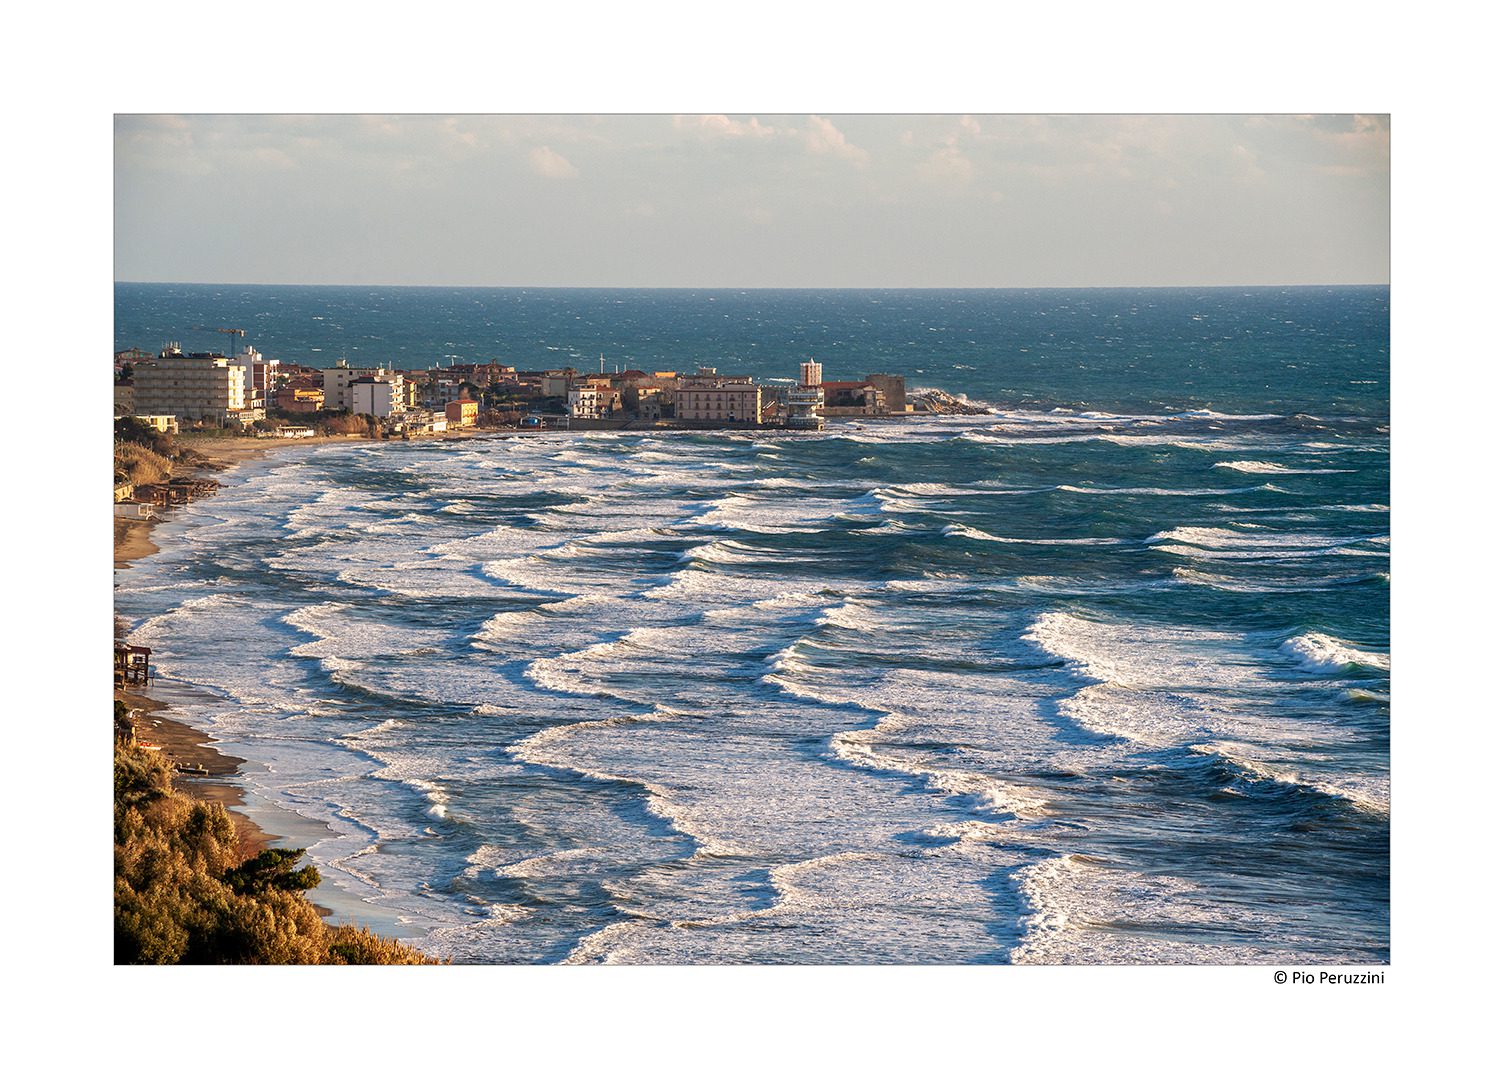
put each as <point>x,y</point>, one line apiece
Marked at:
<point>145,455</point>
<point>186,891</point>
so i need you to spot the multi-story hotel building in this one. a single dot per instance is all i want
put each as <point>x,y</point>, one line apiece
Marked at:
<point>198,386</point>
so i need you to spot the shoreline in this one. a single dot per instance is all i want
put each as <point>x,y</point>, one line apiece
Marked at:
<point>218,776</point>
<point>180,742</point>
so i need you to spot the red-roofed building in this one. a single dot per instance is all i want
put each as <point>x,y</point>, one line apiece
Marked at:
<point>462,413</point>
<point>852,399</point>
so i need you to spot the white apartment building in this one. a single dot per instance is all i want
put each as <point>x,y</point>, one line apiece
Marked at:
<point>380,397</point>
<point>337,381</point>
<point>260,374</point>
<point>194,387</point>
<point>593,400</point>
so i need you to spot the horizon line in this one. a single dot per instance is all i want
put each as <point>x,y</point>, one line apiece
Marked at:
<point>768,288</point>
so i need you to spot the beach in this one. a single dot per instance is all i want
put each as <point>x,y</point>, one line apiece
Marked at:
<point>218,773</point>
<point>181,743</point>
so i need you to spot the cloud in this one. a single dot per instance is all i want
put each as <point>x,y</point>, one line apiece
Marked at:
<point>459,134</point>
<point>948,167</point>
<point>554,165</point>
<point>719,126</point>
<point>823,137</point>
<point>273,157</point>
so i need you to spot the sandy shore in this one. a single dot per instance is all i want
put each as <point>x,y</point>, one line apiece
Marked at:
<point>178,741</point>
<point>222,453</point>
<point>184,745</point>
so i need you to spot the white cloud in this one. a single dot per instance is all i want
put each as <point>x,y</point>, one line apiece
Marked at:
<point>948,167</point>
<point>719,126</point>
<point>459,134</point>
<point>550,163</point>
<point>823,137</point>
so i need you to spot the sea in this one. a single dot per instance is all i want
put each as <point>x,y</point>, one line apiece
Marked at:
<point>1099,676</point>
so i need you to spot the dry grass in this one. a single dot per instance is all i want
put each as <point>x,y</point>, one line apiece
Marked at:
<point>185,894</point>
<point>139,465</point>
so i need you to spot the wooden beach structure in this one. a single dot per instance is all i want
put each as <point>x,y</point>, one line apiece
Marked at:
<point>132,665</point>
<point>174,492</point>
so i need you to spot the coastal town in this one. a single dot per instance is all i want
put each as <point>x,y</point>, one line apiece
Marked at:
<point>223,400</point>
<point>247,392</point>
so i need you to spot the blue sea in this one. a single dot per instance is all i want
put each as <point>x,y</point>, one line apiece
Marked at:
<point>1100,676</point>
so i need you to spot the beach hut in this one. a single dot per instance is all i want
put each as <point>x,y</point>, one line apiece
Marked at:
<point>132,664</point>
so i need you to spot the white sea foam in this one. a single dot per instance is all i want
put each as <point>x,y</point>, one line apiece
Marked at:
<point>1219,544</point>
<point>1322,654</point>
<point>1082,911</point>
<point>1272,469</point>
<point>1367,792</point>
<point>979,534</point>
<point>876,799</point>
<point>1193,492</point>
<point>1224,583</point>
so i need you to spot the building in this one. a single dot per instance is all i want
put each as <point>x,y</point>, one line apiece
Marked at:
<point>462,413</point>
<point>444,387</point>
<point>895,396</point>
<point>300,398</point>
<point>260,374</point>
<point>199,386</point>
<point>481,374</point>
<point>337,381</point>
<point>418,422</point>
<point>711,398</point>
<point>131,357</point>
<point>167,425</point>
<point>379,397</point>
<point>852,399</point>
<point>594,398</point>
<point>125,398</point>
<point>648,396</point>
<point>556,383</point>
<point>804,401</point>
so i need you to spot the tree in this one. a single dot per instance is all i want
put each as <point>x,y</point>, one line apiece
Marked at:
<point>272,869</point>
<point>139,432</point>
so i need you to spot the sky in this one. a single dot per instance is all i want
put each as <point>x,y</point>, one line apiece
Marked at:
<point>753,201</point>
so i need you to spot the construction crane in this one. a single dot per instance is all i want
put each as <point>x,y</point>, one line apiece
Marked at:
<point>231,332</point>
